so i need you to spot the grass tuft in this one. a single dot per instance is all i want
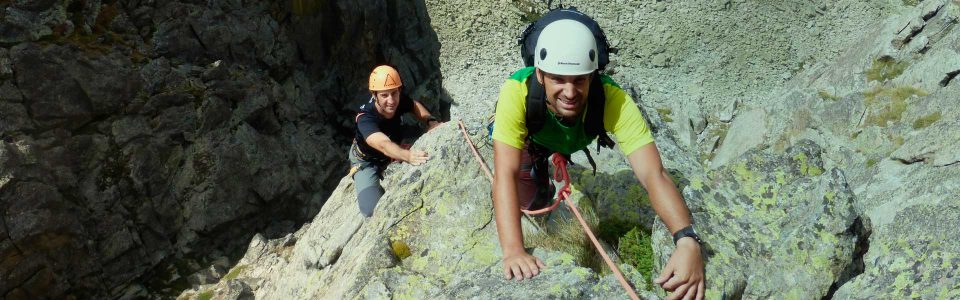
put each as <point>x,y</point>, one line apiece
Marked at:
<point>566,235</point>
<point>827,96</point>
<point>888,104</point>
<point>885,68</point>
<point>233,274</point>
<point>926,121</point>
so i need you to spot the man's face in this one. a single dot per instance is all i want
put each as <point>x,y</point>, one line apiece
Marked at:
<point>387,102</point>
<point>566,94</point>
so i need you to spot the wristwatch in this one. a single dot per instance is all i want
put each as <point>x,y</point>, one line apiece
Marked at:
<point>685,232</point>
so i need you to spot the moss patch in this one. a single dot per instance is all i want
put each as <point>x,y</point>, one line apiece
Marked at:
<point>827,95</point>
<point>233,274</point>
<point>400,249</point>
<point>888,104</point>
<point>927,120</point>
<point>806,168</point>
<point>897,140</point>
<point>665,114</point>
<point>528,10</point>
<point>885,68</point>
<point>205,295</point>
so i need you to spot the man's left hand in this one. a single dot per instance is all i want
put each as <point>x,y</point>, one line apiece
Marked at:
<point>683,274</point>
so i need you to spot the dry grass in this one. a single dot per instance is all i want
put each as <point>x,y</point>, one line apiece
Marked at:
<point>888,104</point>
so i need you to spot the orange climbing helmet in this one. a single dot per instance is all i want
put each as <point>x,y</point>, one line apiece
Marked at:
<point>384,78</point>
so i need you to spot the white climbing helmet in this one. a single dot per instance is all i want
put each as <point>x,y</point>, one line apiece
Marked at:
<point>566,47</point>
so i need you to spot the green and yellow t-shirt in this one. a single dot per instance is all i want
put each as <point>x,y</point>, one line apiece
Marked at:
<point>620,117</point>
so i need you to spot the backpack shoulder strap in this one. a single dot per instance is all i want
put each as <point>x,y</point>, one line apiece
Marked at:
<point>536,105</point>
<point>594,119</point>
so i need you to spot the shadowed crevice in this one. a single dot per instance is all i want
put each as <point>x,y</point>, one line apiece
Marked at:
<point>862,229</point>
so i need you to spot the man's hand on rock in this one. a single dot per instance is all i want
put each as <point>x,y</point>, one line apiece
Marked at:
<point>683,274</point>
<point>417,157</point>
<point>521,265</point>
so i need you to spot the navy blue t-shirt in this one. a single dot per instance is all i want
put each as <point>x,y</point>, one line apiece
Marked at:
<point>369,121</point>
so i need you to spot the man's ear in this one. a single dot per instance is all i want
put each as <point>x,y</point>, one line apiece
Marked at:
<point>539,76</point>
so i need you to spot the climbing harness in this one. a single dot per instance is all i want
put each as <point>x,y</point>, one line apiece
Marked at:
<point>560,173</point>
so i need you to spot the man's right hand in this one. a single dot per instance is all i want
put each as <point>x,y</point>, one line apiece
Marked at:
<point>521,265</point>
<point>417,157</point>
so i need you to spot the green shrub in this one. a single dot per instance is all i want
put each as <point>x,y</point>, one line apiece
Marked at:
<point>636,249</point>
<point>612,230</point>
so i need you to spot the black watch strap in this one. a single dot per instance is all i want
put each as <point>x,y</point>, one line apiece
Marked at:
<point>685,232</point>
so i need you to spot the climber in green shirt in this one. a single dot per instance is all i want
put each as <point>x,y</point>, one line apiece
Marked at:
<point>565,66</point>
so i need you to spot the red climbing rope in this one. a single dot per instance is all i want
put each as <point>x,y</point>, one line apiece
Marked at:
<point>483,164</point>
<point>560,174</point>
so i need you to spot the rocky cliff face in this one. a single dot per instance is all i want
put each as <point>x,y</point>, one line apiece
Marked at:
<point>142,137</point>
<point>812,141</point>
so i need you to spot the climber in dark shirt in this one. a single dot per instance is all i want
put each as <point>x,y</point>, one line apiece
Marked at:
<point>379,133</point>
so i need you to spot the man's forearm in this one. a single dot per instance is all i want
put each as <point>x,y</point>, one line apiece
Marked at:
<point>423,114</point>
<point>507,213</point>
<point>664,197</point>
<point>667,202</point>
<point>505,205</point>
<point>394,151</point>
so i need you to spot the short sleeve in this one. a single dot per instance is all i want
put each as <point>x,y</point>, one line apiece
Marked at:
<point>510,120</point>
<point>623,119</point>
<point>367,124</point>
